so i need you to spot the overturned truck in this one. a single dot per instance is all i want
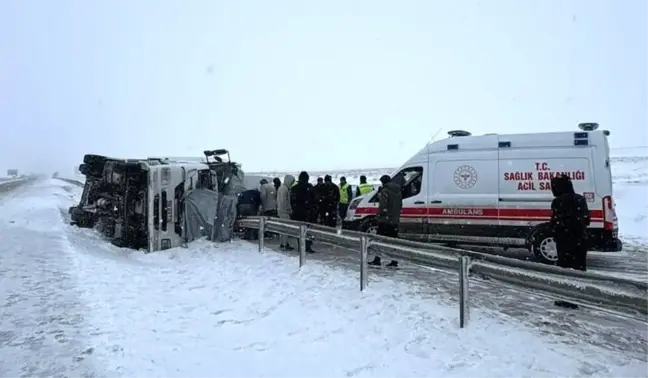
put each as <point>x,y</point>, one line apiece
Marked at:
<point>155,203</point>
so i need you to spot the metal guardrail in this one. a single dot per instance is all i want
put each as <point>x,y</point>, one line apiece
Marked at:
<point>12,181</point>
<point>586,288</point>
<point>9,185</point>
<point>71,181</point>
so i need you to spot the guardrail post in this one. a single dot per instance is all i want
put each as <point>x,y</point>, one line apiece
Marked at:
<point>302,245</point>
<point>464,270</point>
<point>261,233</point>
<point>364,247</point>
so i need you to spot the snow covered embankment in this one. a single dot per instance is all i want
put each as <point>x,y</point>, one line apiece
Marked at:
<point>42,321</point>
<point>630,178</point>
<point>226,310</point>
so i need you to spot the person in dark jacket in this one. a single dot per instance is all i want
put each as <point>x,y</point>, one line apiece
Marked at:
<point>247,205</point>
<point>569,220</point>
<point>390,203</point>
<point>319,195</point>
<point>329,202</point>
<point>304,204</point>
<point>276,182</point>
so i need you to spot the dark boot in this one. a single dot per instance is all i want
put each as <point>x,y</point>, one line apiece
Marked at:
<point>393,264</point>
<point>375,262</point>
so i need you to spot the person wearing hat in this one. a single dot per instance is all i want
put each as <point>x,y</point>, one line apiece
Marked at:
<point>390,203</point>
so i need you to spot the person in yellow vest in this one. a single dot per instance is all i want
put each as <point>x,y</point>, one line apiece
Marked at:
<point>346,195</point>
<point>364,188</point>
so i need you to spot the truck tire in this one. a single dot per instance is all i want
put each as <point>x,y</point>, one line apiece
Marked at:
<point>541,243</point>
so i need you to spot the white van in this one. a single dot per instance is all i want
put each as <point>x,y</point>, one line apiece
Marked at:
<point>495,190</point>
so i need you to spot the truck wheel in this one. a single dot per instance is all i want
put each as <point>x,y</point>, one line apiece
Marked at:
<point>369,226</point>
<point>543,246</point>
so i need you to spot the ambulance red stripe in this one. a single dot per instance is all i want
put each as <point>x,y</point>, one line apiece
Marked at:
<point>476,213</point>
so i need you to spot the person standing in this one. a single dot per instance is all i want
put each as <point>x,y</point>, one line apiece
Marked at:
<point>277,183</point>
<point>329,204</point>
<point>247,205</point>
<point>346,195</point>
<point>363,187</point>
<point>570,218</point>
<point>304,205</point>
<point>319,196</point>
<point>390,203</point>
<point>284,209</point>
<point>268,199</point>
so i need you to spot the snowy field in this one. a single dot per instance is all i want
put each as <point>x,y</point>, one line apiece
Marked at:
<point>77,306</point>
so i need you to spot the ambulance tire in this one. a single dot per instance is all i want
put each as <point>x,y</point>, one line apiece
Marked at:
<point>369,225</point>
<point>538,242</point>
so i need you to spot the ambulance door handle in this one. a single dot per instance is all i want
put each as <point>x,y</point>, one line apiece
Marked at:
<point>419,202</point>
<point>435,201</point>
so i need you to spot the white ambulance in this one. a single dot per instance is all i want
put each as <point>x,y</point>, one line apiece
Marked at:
<point>495,190</point>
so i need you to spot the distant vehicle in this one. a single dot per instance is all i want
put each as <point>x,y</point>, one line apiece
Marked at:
<point>13,173</point>
<point>148,203</point>
<point>495,190</point>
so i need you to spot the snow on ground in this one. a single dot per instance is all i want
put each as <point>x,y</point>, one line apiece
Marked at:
<point>630,178</point>
<point>77,306</point>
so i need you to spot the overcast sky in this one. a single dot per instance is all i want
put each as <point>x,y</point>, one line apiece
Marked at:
<point>289,85</point>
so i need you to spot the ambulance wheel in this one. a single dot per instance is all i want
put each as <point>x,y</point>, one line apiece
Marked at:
<point>369,226</point>
<point>543,246</point>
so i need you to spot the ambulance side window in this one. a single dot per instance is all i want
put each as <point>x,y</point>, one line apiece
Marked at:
<point>411,179</point>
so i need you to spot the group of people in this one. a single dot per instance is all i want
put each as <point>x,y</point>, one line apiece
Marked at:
<point>323,203</point>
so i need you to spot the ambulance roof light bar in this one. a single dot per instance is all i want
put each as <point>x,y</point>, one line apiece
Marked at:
<point>588,126</point>
<point>458,133</point>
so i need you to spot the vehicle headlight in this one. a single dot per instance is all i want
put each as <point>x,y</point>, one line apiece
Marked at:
<point>356,201</point>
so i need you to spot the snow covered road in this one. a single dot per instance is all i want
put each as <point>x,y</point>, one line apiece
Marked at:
<point>42,326</point>
<point>74,305</point>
